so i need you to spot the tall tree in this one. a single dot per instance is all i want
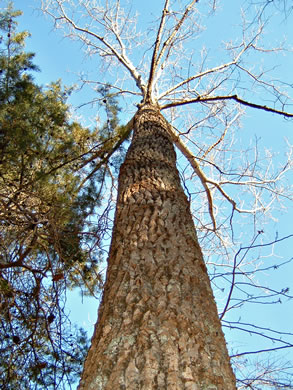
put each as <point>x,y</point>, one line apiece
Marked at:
<point>158,324</point>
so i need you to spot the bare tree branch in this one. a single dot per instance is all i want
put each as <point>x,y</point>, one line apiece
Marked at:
<point>231,97</point>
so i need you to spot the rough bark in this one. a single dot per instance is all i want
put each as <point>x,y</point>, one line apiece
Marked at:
<point>158,326</point>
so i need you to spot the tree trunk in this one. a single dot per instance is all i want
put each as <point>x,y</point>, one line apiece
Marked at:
<point>158,326</point>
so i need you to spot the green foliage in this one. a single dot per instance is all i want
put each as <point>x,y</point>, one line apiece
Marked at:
<point>52,175</point>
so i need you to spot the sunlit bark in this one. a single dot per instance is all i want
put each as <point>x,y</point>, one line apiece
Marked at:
<point>158,325</point>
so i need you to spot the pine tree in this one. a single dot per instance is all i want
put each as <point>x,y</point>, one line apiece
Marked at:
<point>51,169</point>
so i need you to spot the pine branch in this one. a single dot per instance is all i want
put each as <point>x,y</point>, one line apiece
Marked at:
<point>118,142</point>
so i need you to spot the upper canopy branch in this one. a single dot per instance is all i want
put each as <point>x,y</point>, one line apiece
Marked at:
<point>157,53</point>
<point>230,97</point>
<point>237,53</point>
<point>107,47</point>
<point>105,29</point>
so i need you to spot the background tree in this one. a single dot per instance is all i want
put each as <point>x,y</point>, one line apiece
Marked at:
<point>52,174</point>
<point>217,107</point>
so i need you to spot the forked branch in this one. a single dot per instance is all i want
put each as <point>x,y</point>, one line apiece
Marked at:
<point>157,53</point>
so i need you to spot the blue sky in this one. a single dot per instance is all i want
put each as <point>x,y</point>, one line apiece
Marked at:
<point>60,58</point>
